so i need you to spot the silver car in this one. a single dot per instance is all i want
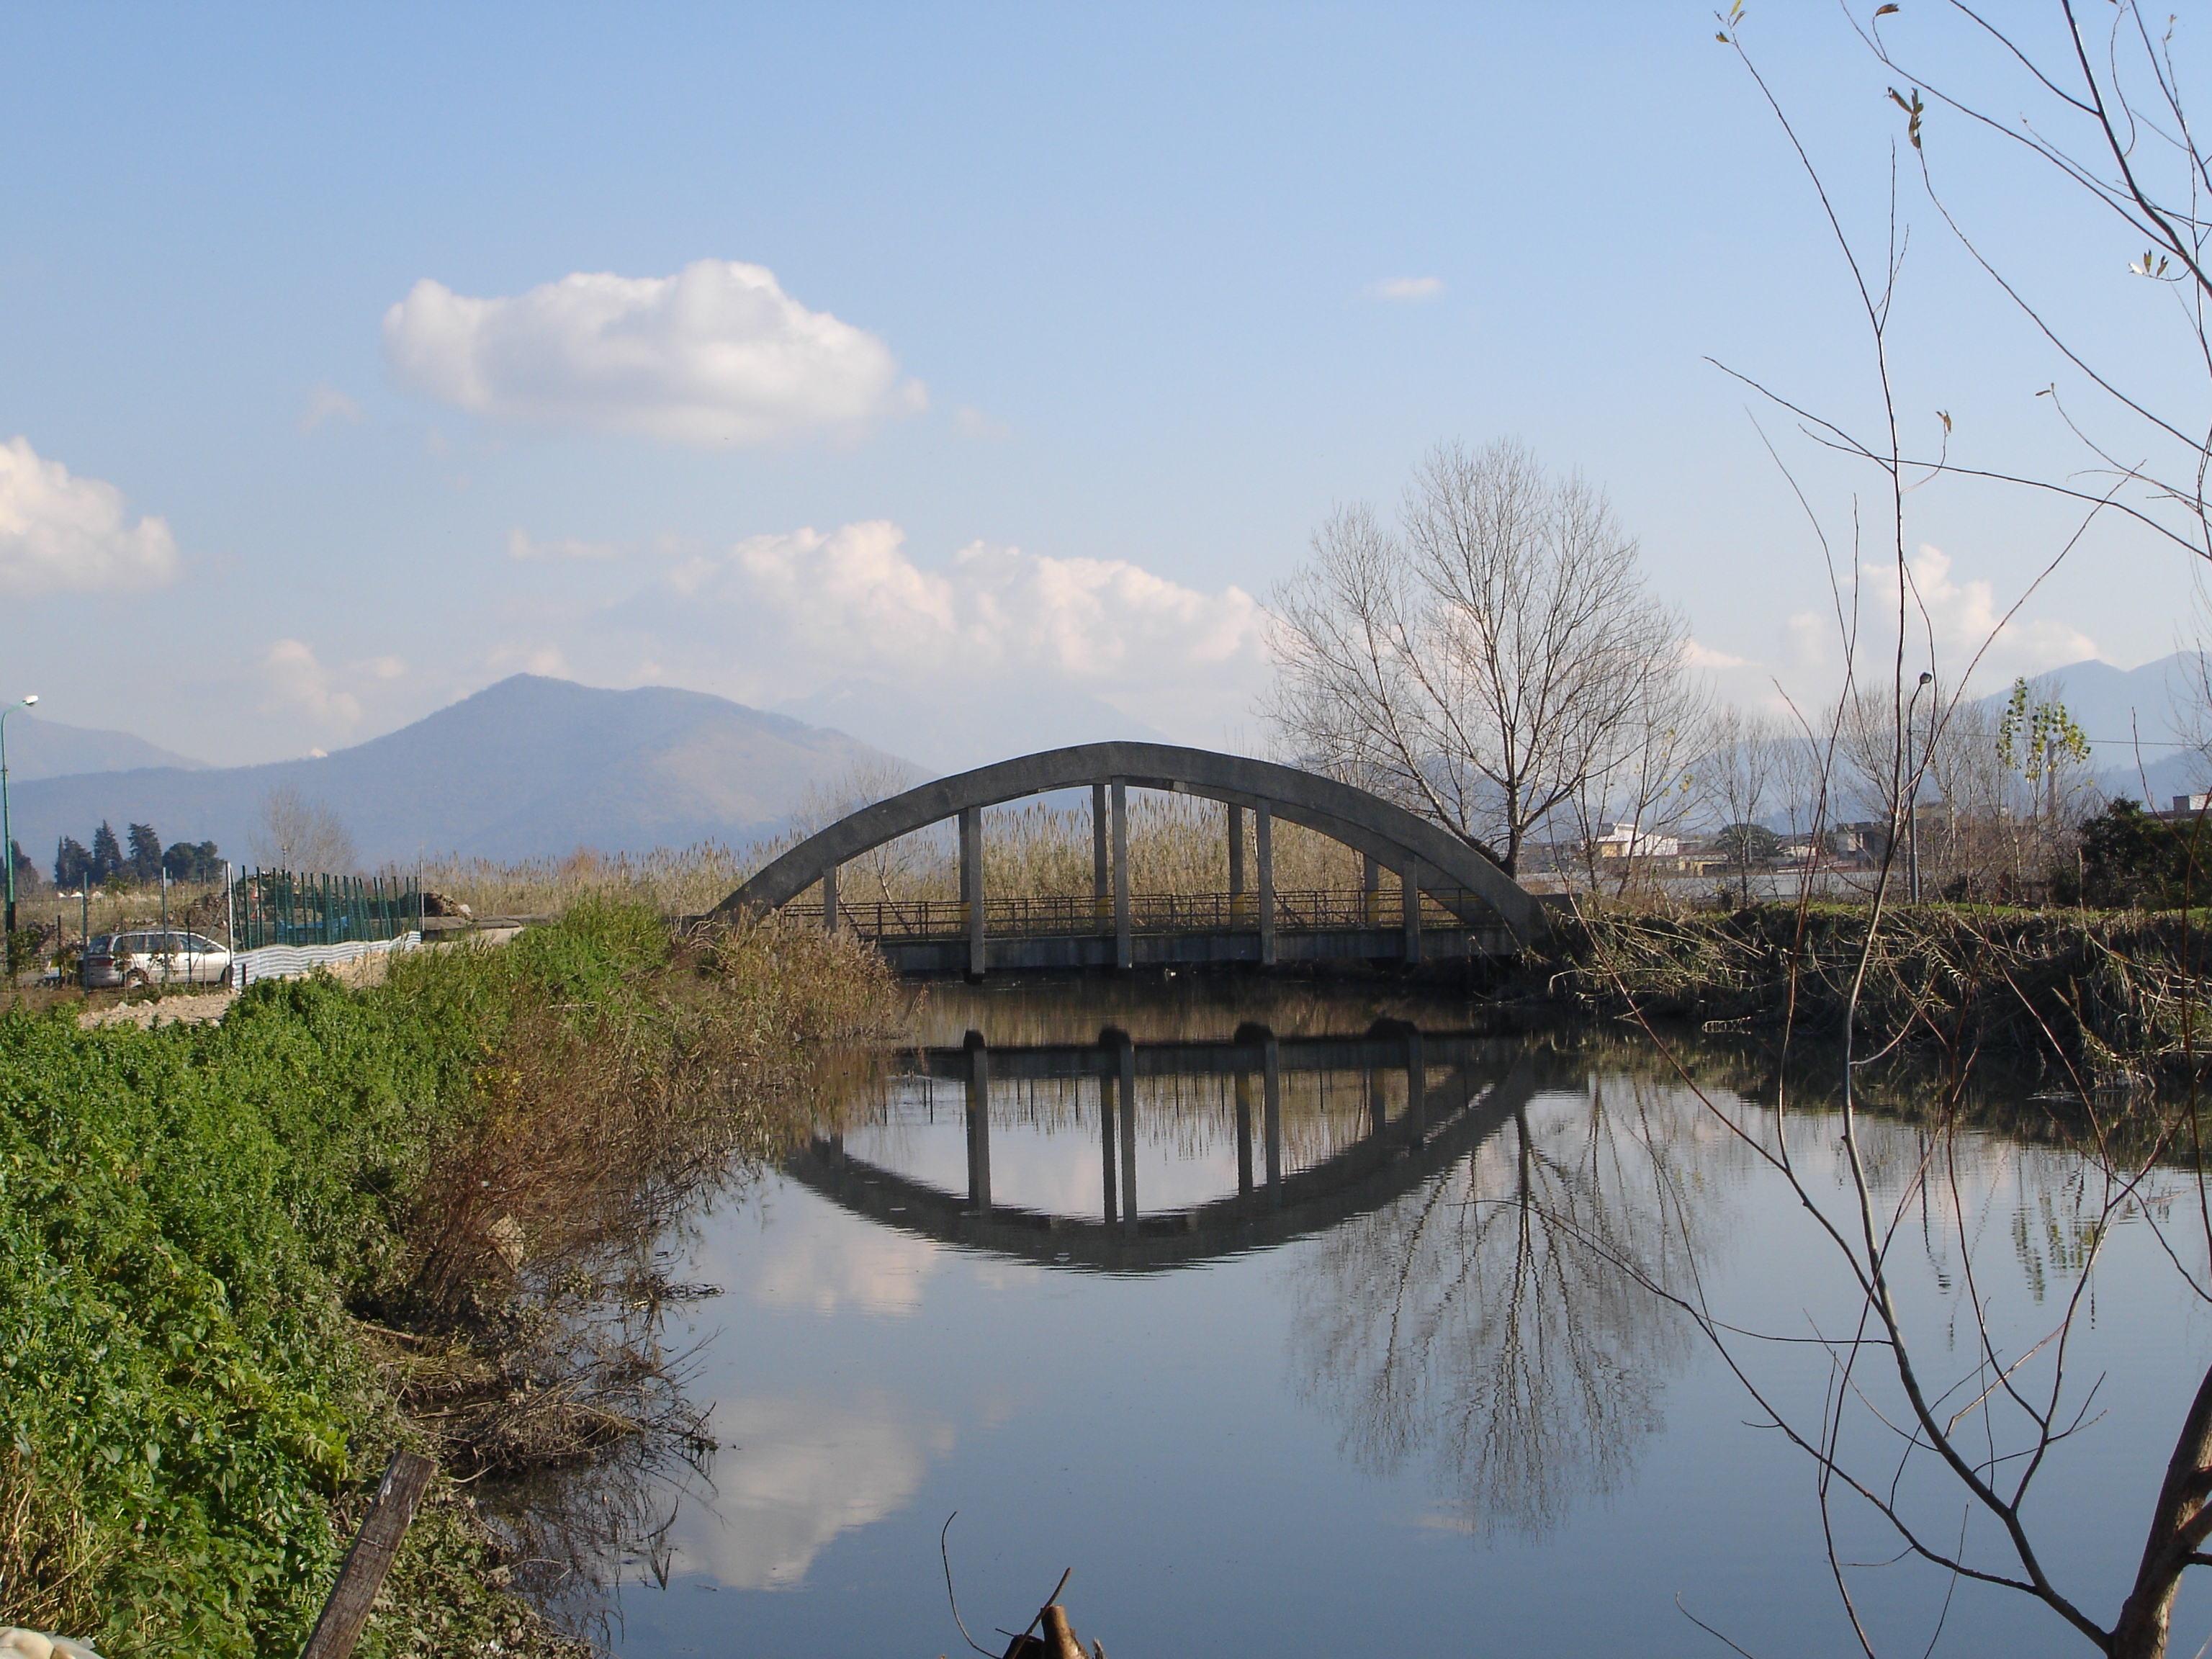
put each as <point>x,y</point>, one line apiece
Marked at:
<point>153,958</point>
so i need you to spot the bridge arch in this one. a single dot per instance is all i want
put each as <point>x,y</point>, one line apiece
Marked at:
<point>1425,856</point>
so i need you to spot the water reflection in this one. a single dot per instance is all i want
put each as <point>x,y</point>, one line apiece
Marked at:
<point>1486,1324</point>
<point>1254,1141</point>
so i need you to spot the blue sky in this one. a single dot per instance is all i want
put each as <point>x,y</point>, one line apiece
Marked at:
<point>1122,302</point>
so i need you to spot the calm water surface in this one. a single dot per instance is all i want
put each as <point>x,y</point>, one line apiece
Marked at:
<point>1359,1371</point>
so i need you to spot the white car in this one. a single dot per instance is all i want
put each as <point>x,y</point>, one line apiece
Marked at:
<point>155,958</point>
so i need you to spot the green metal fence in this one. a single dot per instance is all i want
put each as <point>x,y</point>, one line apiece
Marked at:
<point>284,906</point>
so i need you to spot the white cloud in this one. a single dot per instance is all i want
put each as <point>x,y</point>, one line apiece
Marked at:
<point>59,532</point>
<point>1405,290</point>
<point>717,354</point>
<point>785,614</point>
<point>326,403</point>
<point>520,545</point>
<point>295,681</point>
<point>1963,618</point>
<point>1699,655</point>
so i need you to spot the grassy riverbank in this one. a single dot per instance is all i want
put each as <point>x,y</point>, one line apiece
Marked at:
<point>213,1239</point>
<point>2108,994</point>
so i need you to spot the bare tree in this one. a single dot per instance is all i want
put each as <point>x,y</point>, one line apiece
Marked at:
<point>295,833</point>
<point>1486,661</point>
<point>1903,1403</point>
<point>1737,777</point>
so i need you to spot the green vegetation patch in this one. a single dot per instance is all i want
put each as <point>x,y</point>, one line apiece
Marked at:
<point>190,1217</point>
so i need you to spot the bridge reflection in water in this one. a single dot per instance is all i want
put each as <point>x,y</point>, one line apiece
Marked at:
<point>1324,1129</point>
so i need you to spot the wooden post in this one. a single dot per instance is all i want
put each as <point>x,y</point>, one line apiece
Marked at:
<point>370,1558</point>
<point>1124,957</point>
<point>1263,837</point>
<point>1411,889</point>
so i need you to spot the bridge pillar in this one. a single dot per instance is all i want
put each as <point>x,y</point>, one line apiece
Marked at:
<point>1125,1105</point>
<point>1411,889</point>
<point>1123,955</point>
<point>1417,1088</point>
<point>1378,1103</point>
<point>1370,888</point>
<point>1263,838</point>
<point>1107,1079</point>
<point>979,1124</point>
<point>829,900</point>
<point>1244,1131</point>
<point>971,884</point>
<point>1271,1091</point>
<point>1102,864</point>
<point>1237,905</point>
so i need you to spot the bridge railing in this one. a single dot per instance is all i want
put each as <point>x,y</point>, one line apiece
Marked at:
<point>1324,910</point>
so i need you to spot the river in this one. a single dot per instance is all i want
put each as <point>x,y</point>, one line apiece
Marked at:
<point>1374,1365</point>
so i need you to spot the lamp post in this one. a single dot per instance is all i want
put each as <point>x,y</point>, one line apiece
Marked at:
<point>8,836</point>
<point>1912,798</point>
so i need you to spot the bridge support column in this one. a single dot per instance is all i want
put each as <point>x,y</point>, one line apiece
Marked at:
<point>1102,863</point>
<point>1123,955</point>
<point>1271,1091</point>
<point>979,1124</point>
<point>1411,889</point>
<point>1244,1131</point>
<point>829,900</point>
<point>1378,1104</point>
<point>1108,1077</point>
<point>1237,905</point>
<point>1370,888</point>
<point>1125,1104</point>
<point>1417,1089</point>
<point>971,884</point>
<point>1263,839</point>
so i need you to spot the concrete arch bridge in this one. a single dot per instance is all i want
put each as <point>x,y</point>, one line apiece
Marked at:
<point>1451,900</point>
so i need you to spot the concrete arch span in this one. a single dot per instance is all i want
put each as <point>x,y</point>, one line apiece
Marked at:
<point>1425,856</point>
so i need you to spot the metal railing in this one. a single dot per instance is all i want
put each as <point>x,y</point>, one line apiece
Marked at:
<point>285,907</point>
<point>1308,912</point>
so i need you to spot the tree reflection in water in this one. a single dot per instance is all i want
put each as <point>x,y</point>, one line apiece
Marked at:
<point>1490,1320</point>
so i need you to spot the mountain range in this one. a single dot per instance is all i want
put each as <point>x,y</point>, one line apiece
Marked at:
<point>528,767</point>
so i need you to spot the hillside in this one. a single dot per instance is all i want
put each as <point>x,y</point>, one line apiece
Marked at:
<point>527,767</point>
<point>48,749</point>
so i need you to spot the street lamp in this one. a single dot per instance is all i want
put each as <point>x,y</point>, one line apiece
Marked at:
<point>1912,799</point>
<point>8,834</point>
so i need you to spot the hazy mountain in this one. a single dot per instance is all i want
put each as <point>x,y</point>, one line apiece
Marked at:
<point>47,749</point>
<point>953,729</point>
<point>526,766</point>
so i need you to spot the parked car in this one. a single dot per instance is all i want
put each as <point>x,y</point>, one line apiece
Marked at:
<point>153,958</point>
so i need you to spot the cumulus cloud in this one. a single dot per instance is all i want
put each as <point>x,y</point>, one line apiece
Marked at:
<point>1405,290</point>
<point>295,681</point>
<point>717,354</point>
<point>1963,618</point>
<point>795,610</point>
<point>61,532</point>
